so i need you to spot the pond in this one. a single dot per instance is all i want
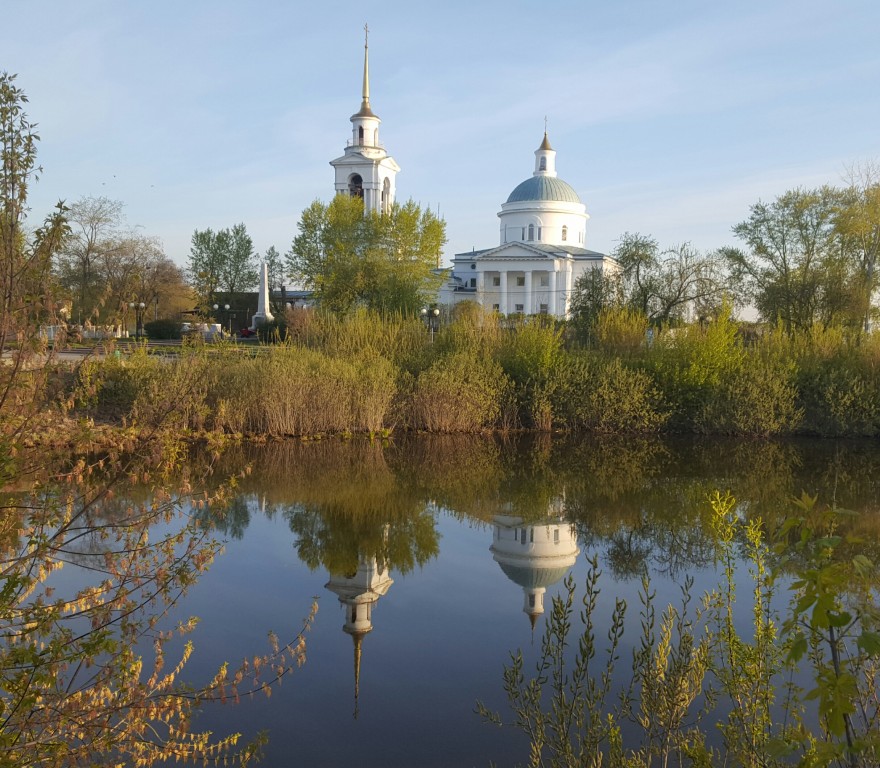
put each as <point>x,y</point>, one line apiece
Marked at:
<point>433,559</point>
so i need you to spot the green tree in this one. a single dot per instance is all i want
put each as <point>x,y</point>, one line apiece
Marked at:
<point>665,284</point>
<point>384,262</point>
<point>858,223</point>
<point>797,268</point>
<point>96,231</point>
<point>221,261</point>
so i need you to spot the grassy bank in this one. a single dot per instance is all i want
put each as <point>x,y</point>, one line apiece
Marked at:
<point>367,374</point>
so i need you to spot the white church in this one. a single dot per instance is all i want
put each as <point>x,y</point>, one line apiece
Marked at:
<point>541,250</point>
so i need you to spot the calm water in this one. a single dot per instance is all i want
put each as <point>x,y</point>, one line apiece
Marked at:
<point>431,559</point>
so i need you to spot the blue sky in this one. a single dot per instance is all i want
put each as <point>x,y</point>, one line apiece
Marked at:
<point>669,119</point>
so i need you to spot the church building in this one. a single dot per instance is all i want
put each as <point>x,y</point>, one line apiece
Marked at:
<point>541,250</point>
<point>542,244</point>
<point>366,170</point>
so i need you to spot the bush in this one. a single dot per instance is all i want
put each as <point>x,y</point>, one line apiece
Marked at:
<point>758,399</point>
<point>458,393</point>
<point>607,396</point>
<point>163,328</point>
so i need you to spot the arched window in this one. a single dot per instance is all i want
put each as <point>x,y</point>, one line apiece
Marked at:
<point>360,134</point>
<point>356,186</point>
<point>531,231</point>
<point>564,233</point>
<point>542,166</point>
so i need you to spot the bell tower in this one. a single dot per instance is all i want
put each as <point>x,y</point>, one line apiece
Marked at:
<point>366,170</point>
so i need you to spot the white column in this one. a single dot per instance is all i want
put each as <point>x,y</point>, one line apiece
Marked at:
<point>502,301</point>
<point>553,302</point>
<point>481,288</point>
<point>527,306</point>
<point>568,271</point>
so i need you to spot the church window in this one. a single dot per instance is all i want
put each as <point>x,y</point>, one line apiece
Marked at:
<point>531,535</point>
<point>543,309</point>
<point>523,237</point>
<point>356,186</point>
<point>556,536</point>
<point>496,307</point>
<point>522,536</point>
<point>496,281</point>
<point>521,280</point>
<point>531,601</point>
<point>545,281</point>
<point>531,231</point>
<point>519,308</point>
<point>564,233</point>
<point>543,164</point>
<point>473,282</point>
<point>354,614</point>
<point>473,266</point>
<point>360,134</point>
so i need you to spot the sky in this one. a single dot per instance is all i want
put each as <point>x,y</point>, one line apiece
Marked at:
<point>669,118</point>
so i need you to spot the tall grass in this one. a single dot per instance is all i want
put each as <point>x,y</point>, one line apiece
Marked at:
<point>366,373</point>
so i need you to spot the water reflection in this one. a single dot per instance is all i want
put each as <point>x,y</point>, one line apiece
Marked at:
<point>536,554</point>
<point>398,533</point>
<point>359,592</point>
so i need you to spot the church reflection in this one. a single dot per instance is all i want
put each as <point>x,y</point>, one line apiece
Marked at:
<point>358,593</point>
<point>534,554</point>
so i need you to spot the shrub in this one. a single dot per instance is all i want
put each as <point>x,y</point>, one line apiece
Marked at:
<point>621,331</point>
<point>163,328</point>
<point>757,399</point>
<point>607,396</point>
<point>458,393</point>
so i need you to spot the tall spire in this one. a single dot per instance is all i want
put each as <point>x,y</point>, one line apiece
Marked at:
<point>358,638</point>
<point>365,110</point>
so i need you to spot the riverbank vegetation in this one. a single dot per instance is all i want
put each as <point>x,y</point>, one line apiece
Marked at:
<point>369,373</point>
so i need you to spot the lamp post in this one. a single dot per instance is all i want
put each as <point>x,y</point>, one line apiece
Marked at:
<point>138,307</point>
<point>432,319</point>
<point>229,317</point>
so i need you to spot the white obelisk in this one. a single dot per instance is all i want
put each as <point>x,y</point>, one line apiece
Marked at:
<point>262,315</point>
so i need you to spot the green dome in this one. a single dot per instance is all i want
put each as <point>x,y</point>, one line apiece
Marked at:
<point>532,578</point>
<point>544,188</point>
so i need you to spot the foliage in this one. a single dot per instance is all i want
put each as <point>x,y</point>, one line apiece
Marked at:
<point>606,396</point>
<point>458,393</point>
<point>221,261</point>
<point>103,266</point>
<point>78,686</point>
<point>164,328</point>
<point>621,331</point>
<point>802,267</point>
<point>350,258</point>
<point>529,352</point>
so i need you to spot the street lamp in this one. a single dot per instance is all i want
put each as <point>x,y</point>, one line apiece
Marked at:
<point>138,308</point>
<point>229,317</point>
<point>431,318</point>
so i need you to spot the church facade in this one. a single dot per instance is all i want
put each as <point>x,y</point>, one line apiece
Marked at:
<point>541,250</point>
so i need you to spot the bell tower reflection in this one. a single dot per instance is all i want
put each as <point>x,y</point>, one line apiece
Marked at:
<point>534,555</point>
<point>358,593</point>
